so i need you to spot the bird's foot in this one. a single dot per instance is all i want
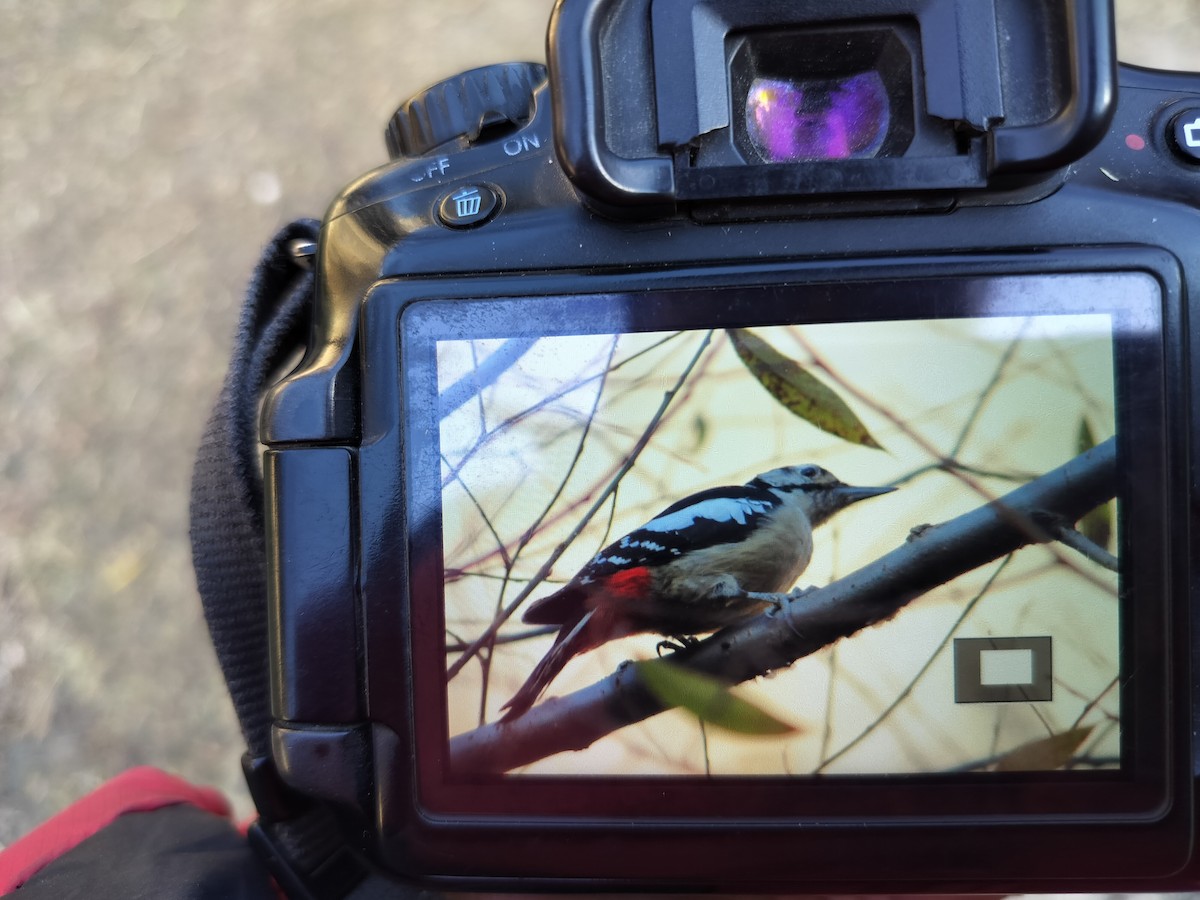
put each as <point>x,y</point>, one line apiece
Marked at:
<point>778,601</point>
<point>782,610</point>
<point>676,643</point>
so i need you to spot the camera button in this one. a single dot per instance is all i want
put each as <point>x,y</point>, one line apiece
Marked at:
<point>1185,133</point>
<point>468,205</point>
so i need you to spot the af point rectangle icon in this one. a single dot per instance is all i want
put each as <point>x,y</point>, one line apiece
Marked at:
<point>1003,669</point>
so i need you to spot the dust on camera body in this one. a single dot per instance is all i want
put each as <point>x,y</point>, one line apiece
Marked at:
<point>601,347</point>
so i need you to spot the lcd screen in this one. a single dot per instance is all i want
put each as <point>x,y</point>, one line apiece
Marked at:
<point>556,431</point>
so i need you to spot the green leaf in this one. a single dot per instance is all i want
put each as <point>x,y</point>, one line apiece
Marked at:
<point>1044,754</point>
<point>708,698</point>
<point>798,390</point>
<point>1097,525</point>
<point>1085,440</point>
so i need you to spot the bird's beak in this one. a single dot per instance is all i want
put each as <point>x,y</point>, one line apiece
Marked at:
<point>851,494</point>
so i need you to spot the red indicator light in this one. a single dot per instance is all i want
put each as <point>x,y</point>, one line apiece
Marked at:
<point>1135,142</point>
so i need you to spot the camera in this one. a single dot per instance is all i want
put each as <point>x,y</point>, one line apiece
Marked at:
<point>751,454</point>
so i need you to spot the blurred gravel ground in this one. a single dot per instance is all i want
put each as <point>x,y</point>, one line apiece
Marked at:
<point>148,148</point>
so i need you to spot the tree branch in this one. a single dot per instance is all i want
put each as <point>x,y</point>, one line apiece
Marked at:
<point>776,639</point>
<point>1077,540</point>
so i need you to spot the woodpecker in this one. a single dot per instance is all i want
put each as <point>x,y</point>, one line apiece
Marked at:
<point>705,562</point>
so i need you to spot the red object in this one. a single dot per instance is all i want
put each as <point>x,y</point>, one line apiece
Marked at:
<point>1135,142</point>
<point>139,790</point>
<point>633,584</point>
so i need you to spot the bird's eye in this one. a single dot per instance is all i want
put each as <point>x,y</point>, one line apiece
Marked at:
<point>810,471</point>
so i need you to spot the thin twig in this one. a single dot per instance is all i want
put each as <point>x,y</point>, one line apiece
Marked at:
<point>986,393</point>
<point>510,563</point>
<point>518,417</point>
<point>1096,702</point>
<point>586,495</point>
<point>1081,543</point>
<point>904,694</point>
<point>460,644</point>
<point>970,482</point>
<point>562,486</point>
<point>558,551</point>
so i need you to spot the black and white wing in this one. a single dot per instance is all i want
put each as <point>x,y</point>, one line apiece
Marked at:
<point>722,515</point>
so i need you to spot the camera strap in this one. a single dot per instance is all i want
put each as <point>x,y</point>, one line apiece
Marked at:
<point>300,840</point>
<point>228,549</point>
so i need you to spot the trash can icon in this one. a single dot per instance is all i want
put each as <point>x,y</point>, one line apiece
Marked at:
<point>467,202</point>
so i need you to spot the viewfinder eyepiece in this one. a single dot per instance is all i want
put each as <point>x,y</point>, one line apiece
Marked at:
<point>723,103</point>
<point>821,94</point>
<point>841,118</point>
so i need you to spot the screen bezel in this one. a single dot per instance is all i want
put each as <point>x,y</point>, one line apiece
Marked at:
<point>405,710</point>
<point>1139,390</point>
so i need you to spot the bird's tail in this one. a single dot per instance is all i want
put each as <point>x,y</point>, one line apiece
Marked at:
<point>571,641</point>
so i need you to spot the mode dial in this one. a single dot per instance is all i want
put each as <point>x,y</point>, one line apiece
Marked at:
<point>465,107</point>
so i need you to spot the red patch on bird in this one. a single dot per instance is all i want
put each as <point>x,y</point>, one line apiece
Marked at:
<point>631,583</point>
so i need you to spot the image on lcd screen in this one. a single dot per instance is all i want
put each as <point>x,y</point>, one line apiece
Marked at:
<point>822,447</point>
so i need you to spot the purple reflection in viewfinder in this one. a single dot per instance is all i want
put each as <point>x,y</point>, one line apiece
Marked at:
<point>841,118</point>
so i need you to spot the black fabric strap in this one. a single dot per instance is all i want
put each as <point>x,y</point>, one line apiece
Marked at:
<point>226,503</point>
<point>304,849</point>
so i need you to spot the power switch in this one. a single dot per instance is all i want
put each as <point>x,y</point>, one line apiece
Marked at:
<point>464,108</point>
